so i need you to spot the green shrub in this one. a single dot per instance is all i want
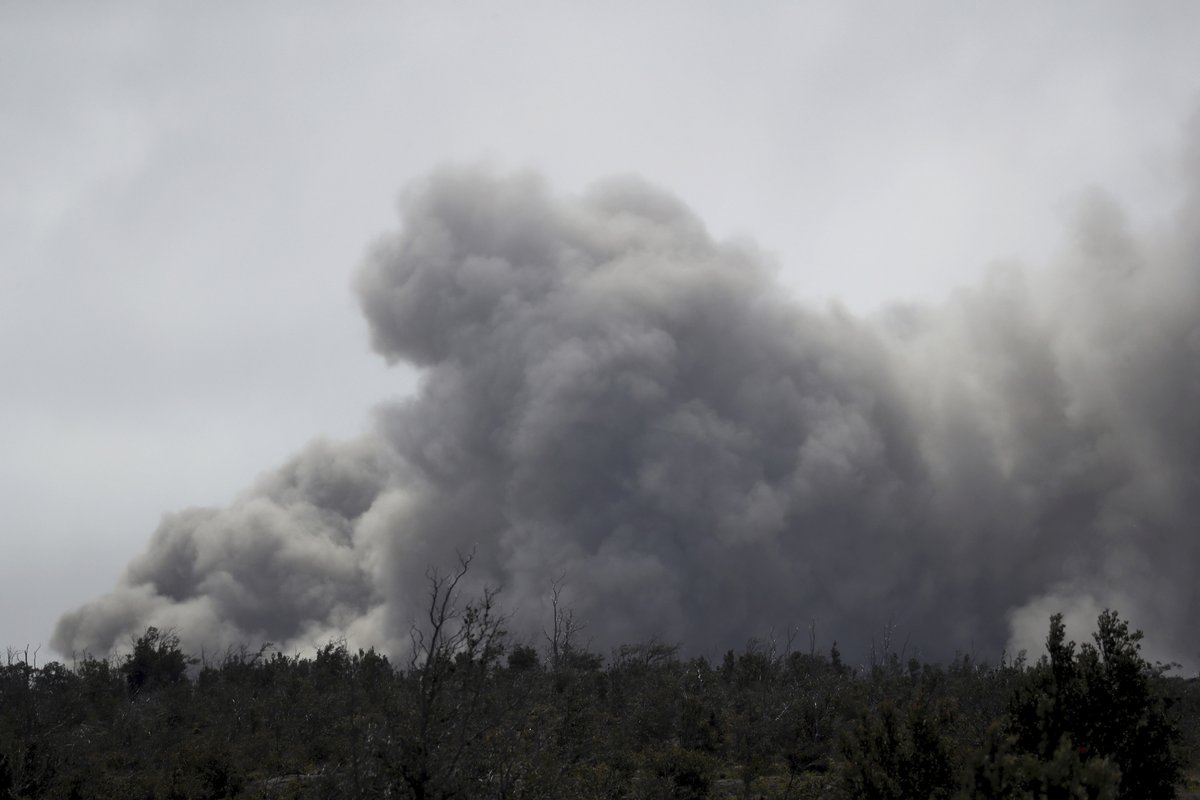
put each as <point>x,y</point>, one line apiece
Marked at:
<point>681,774</point>
<point>892,755</point>
<point>999,772</point>
<point>1102,703</point>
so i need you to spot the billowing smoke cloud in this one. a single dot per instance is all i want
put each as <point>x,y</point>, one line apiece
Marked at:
<point>612,396</point>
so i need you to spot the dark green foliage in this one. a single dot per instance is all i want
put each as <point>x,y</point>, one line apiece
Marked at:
<point>470,716</point>
<point>1102,702</point>
<point>523,658</point>
<point>679,774</point>
<point>999,772</point>
<point>894,755</point>
<point>156,661</point>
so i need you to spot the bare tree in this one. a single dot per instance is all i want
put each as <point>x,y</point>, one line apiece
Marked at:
<point>564,630</point>
<point>454,650</point>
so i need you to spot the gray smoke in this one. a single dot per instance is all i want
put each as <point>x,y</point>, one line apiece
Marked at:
<point>612,396</point>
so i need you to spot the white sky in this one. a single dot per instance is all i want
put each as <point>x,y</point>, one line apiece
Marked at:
<point>186,189</point>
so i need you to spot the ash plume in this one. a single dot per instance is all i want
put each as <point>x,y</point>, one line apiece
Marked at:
<point>611,395</point>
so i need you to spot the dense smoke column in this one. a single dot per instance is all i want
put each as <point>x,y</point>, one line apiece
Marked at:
<point>621,400</point>
<point>612,396</point>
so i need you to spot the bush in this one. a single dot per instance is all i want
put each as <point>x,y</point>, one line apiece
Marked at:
<point>156,661</point>
<point>680,774</point>
<point>894,756</point>
<point>1001,773</point>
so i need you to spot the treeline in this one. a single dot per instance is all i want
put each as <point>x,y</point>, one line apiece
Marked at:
<point>472,714</point>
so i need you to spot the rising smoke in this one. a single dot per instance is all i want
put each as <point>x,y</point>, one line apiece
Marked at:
<point>612,396</point>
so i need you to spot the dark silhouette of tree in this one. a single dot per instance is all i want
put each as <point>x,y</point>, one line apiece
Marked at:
<point>156,661</point>
<point>1101,702</point>
<point>469,716</point>
<point>441,714</point>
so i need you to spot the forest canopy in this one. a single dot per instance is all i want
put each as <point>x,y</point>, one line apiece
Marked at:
<point>473,712</point>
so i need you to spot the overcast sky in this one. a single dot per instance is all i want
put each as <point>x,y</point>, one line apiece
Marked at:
<point>185,192</point>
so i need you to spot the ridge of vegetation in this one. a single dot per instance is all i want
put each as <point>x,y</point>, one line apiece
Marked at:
<point>474,714</point>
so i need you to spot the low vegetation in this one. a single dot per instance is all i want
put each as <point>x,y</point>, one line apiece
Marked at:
<point>472,714</point>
